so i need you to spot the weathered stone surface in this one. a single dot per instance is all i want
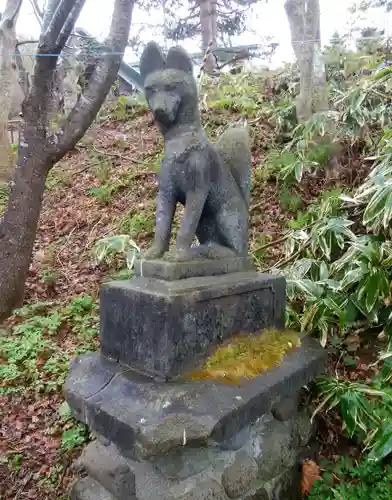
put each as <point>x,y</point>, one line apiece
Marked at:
<point>208,490</point>
<point>173,271</point>
<point>286,486</point>
<point>173,432</point>
<point>197,473</point>
<point>237,441</point>
<point>89,377</point>
<point>302,428</point>
<point>130,410</point>
<point>110,469</point>
<point>162,328</point>
<point>186,462</point>
<point>237,479</point>
<point>149,483</point>
<point>88,489</point>
<point>100,438</point>
<point>258,493</point>
<point>286,408</point>
<point>272,445</point>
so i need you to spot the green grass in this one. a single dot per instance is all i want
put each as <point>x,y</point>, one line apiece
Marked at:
<point>32,352</point>
<point>348,480</point>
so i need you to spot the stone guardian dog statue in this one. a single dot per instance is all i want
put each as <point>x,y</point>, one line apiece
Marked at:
<point>212,181</point>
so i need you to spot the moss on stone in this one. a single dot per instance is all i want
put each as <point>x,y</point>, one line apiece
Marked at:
<point>247,356</point>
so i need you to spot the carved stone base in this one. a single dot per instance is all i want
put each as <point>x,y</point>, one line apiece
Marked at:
<point>262,461</point>
<point>146,418</point>
<point>172,271</point>
<point>162,327</point>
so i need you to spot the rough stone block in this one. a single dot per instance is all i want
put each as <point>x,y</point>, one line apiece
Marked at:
<point>258,493</point>
<point>260,470</point>
<point>148,418</point>
<point>171,433</point>
<point>302,427</point>
<point>187,462</point>
<point>286,486</point>
<point>237,479</point>
<point>209,490</point>
<point>88,489</point>
<point>287,407</point>
<point>173,271</point>
<point>276,445</point>
<point>110,469</point>
<point>146,481</point>
<point>161,328</point>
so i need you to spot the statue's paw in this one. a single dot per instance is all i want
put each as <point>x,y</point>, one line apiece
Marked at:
<point>153,253</point>
<point>178,255</point>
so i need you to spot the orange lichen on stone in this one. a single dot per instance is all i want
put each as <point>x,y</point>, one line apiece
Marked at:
<point>247,356</point>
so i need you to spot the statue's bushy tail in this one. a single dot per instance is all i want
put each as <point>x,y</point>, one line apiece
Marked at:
<point>233,146</point>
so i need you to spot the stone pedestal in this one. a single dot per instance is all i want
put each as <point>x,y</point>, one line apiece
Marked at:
<point>162,437</point>
<point>162,327</point>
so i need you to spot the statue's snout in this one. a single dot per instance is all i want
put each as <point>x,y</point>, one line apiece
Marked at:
<point>165,107</point>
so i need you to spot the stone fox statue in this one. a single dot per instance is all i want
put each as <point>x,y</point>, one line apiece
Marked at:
<point>211,181</point>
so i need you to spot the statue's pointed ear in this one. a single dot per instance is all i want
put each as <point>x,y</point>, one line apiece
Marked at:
<point>177,58</point>
<point>151,60</point>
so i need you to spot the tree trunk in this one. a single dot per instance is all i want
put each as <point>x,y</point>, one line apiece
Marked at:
<point>39,151</point>
<point>208,23</point>
<point>8,84</point>
<point>18,230</point>
<point>214,24</point>
<point>304,21</point>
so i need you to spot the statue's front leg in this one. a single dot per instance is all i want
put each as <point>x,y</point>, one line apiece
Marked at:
<point>166,207</point>
<point>194,205</point>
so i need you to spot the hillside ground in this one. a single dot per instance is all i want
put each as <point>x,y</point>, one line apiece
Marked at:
<point>107,186</point>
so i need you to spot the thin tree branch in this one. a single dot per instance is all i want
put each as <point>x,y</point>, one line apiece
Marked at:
<point>35,108</point>
<point>92,98</point>
<point>49,12</point>
<point>37,9</point>
<point>25,42</point>
<point>39,15</point>
<point>11,12</point>
<point>69,24</point>
<point>56,24</point>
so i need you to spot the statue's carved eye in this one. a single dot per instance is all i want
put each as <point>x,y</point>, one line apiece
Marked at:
<point>170,87</point>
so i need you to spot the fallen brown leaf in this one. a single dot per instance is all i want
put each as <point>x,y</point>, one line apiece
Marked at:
<point>310,474</point>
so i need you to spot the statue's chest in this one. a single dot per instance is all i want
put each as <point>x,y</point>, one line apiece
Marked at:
<point>180,171</point>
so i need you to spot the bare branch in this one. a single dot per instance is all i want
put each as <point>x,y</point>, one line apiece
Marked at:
<point>11,12</point>
<point>25,42</point>
<point>49,12</point>
<point>39,15</point>
<point>60,10</point>
<point>89,103</point>
<point>40,98</point>
<point>37,9</point>
<point>69,24</point>
<point>56,24</point>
